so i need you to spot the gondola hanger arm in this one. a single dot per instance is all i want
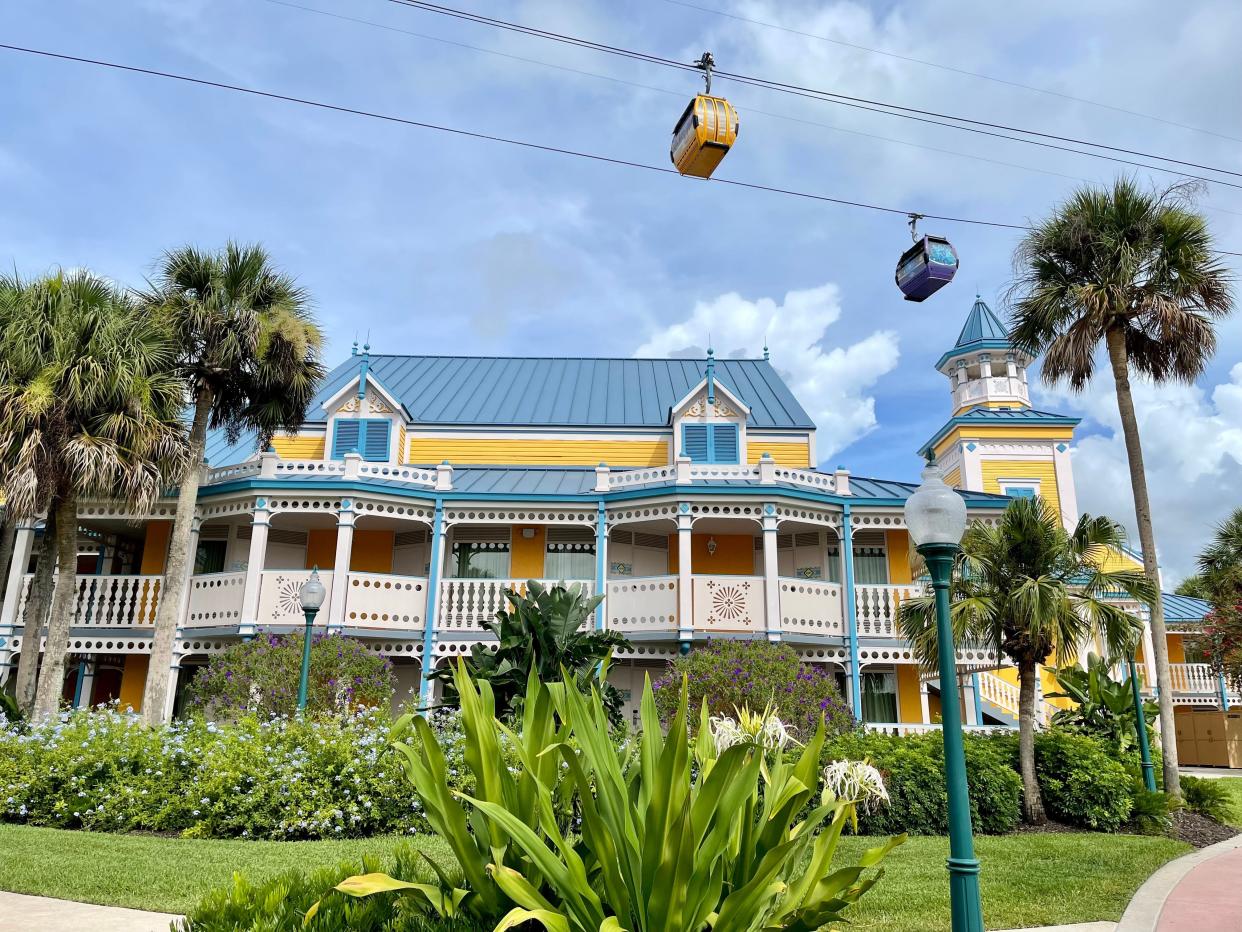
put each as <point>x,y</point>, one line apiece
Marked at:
<point>705,64</point>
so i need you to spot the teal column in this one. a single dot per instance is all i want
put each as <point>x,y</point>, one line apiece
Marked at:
<point>963,866</point>
<point>304,678</point>
<point>1224,692</point>
<point>1140,727</point>
<point>974,691</point>
<point>851,611</point>
<point>601,562</point>
<point>433,605</point>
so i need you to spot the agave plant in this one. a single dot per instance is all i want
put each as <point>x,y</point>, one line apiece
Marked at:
<point>677,837</point>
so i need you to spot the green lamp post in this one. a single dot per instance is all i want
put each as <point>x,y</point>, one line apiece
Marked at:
<point>1140,726</point>
<point>936,518</point>
<point>311,595</point>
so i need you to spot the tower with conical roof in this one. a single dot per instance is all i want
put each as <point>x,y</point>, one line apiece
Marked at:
<point>994,441</point>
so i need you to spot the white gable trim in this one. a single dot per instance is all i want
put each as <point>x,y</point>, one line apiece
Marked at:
<point>351,388</point>
<point>688,399</point>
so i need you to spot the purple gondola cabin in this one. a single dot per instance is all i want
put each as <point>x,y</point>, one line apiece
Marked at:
<point>926,267</point>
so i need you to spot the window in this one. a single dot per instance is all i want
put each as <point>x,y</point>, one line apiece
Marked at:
<point>480,559</point>
<point>1019,491</point>
<point>870,566</point>
<point>366,436</point>
<point>570,559</point>
<point>879,697</point>
<point>710,443</point>
<point>210,556</point>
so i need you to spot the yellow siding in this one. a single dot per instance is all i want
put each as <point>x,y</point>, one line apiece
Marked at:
<point>909,706</point>
<point>133,681</point>
<point>953,478</point>
<point>1120,560</point>
<point>796,455</point>
<point>526,554</point>
<point>1043,472</point>
<point>321,548</point>
<point>1177,648</point>
<point>538,452</point>
<point>299,448</point>
<point>898,558</point>
<point>1016,432</point>
<point>371,551</point>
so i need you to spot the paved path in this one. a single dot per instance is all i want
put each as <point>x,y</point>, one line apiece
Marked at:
<point>1200,892</point>
<point>1212,773</point>
<point>21,913</point>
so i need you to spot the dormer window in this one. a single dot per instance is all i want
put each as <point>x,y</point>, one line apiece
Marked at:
<point>710,443</point>
<point>368,437</point>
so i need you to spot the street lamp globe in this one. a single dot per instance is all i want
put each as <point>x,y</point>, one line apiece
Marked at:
<point>312,592</point>
<point>935,513</point>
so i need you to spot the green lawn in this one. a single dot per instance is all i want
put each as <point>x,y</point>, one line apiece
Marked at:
<point>1234,784</point>
<point>1025,877</point>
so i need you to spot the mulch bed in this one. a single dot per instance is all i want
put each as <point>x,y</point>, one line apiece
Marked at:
<point>1198,830</point>
<point>1049,828</point>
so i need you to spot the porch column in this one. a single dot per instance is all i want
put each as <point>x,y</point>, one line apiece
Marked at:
<point>254,568</point>
<point>1039,697</point>
<point>1224,692</point>
<point>80,688</point>
<point>23,545</point>
<point>971,698</point>
<point>851,610</point>
<point>685,577</point>
<point>1149,655</point>
<point>924,701</point>
<point>771,575</point>
<point>170,699</point>
<point>433,605</point>
<point>183,610</point>
<point>601,565</point>
<point>345,519</point>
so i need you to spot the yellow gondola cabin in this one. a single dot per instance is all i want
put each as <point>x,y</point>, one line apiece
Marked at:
<point>705,132</point>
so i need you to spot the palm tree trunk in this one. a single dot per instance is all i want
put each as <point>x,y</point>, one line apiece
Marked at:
<point>8,538</point>
<point>34,615</point>
<point>1116,343</point>
<point>1032,800</point>
<point>176,575</point>
<point>52,671</point>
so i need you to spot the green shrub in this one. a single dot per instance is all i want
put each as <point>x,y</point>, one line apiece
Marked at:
<point>913,770</point>
<point>731,674</point>
<point>279,904</point>
<point>1081,781</point>
<point>1207,797</point>
<point>1151,810</point>
<point>261,677</point>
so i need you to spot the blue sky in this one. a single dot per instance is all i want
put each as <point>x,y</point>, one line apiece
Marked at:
<point>437,244</point>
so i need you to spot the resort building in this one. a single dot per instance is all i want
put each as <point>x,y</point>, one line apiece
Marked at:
<point>685,490</point>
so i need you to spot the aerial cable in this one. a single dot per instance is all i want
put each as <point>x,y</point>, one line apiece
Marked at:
<point>525,144</point>
<point>892,109</point>
<point>951,69</point>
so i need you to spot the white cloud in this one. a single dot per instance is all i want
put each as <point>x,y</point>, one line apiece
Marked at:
<point>830,383</point>
<point>1192,451</point>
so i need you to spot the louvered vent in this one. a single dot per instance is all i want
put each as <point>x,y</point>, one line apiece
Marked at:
<point>410,538</point>
<point>570,535</point>
<point>214,532</point>
<point>652,541</point>
<point>476,534</point>
<point>284,536</point>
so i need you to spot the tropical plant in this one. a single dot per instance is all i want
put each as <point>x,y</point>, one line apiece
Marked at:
<point>1208,797</point>
<point>87,408</point>
<point>1136,271</point>
<point>1152,811</point>
<point>1220,576</point>
<point>1103,706</point>
<point>674,838</point>
<point>730,674</point>
<point>1031,590</point>
<point>545,630</point>
<point>260,676</point>
<point>248,355</point>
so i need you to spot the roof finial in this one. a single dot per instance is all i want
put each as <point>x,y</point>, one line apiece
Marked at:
<point>366,347</point>
<point>766,354</point>
<point>711,373</point>
<point>354,351</point>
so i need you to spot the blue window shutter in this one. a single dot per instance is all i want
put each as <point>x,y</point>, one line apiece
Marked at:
<point>345,438</point>
<point>694,443</point>
<point>375,440</point>
<point>1020,492</point>
<point>724,443</point>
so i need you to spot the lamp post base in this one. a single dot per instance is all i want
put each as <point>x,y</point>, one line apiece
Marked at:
<point>964,899</point>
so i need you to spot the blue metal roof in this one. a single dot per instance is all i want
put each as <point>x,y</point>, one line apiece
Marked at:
<point>220,452</point>
<point>563,392</point>
<point>982,330</point>
<point>1004,416</point>
<point>1182,608</point>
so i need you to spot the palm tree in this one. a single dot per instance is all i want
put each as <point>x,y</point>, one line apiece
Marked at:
<point>248,353</point>
<point>1220,577</point>
<point>1134,270</point>
<point>87,408</point>
<point>1029,589</point>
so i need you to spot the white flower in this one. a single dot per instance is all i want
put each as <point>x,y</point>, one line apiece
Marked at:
<point>857,781</point>
<point>764,729</point>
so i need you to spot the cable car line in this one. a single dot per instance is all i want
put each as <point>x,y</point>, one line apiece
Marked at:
<point>525,144</point>
<point>951,69</point>
<point>831,96</point>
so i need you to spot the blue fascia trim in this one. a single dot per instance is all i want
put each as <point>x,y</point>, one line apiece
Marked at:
<point>851,612</point>
<point>963,421</point>
<point>975,346</point>
<point>433,604</point>
<point>601,567</point>
<point>250,484</point>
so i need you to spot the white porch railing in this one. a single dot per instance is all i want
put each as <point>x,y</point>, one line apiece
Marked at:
<point>876,607</point>
<point>902,729</point>
<point>381,600</point>
<point>107,601</point>
<point>466,603</point>
<point>280,600</point>
<point>811,606</point>
<point>1006,697</point>
<point>1189,678</point>
<point>215,599</point>
<point>644,603</point>
<point>685,472</point>
<point>728,603</point>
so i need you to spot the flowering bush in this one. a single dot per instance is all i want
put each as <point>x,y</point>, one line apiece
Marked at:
<point>733,674</point>
<point>285,778</point>
<point>261,676</point>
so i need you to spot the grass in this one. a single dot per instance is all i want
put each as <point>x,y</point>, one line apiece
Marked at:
<point>1234,785</point>
<point>1024,881</point>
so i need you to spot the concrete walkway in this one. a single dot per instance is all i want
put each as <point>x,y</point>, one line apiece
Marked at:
<point>1199,892</point>
<point>1211,773</point>
<point>21,913</point>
